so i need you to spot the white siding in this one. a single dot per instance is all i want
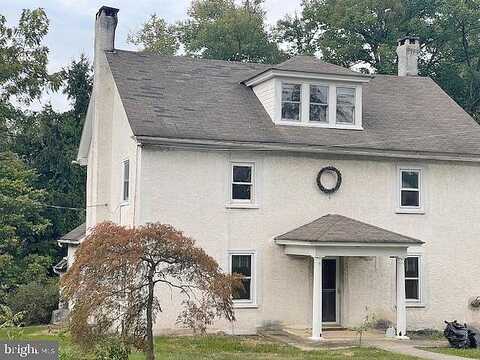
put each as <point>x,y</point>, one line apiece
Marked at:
<point>265,92</point>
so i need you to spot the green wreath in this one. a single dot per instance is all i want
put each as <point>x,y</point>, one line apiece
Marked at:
<point>337,184</point>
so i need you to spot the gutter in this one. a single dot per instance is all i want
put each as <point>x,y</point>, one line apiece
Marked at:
<point>198,144</point>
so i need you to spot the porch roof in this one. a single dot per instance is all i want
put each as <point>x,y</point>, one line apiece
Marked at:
<point>75,236</point>
<point>338,229</point>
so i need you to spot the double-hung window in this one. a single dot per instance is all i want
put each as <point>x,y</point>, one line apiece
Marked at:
<point>410,191</point>
<point>243,178</point>
<point>319,103</point>
<point>126,180</point>
<point>243,264</point>
<point>345,105</point>
<point>291,101</point>
<point>413,279</point>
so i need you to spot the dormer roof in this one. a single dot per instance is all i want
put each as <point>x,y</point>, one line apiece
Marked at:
<point>308,65</point>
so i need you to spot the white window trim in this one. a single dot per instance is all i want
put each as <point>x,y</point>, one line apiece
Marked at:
<point>421,301</point>
<point>124,202</point>
<point>332,104</point>
<point>252,303</point>
<point>421,191</point>
<point>238,203</point>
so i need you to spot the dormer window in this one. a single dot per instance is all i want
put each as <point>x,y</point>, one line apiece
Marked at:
<point>291,101</point>
<point>319,103</point>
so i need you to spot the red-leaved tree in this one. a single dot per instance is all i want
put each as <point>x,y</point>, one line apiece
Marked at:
<point>113,280</point>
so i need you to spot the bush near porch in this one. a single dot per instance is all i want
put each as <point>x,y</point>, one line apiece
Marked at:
<point>211,347</point>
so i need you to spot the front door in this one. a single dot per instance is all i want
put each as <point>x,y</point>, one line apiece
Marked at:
<point>329,290</point>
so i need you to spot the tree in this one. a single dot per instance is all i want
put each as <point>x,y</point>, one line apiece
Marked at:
<point>22,225</point>
<point>48,141</point>
<point>23,65</point>
<point>364,33</point>
<point>156,36</point>
<point>215,29</point>
<point>116,274</point>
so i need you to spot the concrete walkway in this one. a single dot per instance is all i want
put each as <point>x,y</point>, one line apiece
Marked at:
<point>409,347</point>
<point>347,338</point>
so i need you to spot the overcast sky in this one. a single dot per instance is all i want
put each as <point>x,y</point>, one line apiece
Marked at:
<point>72,22</point>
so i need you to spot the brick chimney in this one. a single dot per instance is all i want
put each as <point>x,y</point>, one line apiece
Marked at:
<point>105,25</point>
<point>408,49</point>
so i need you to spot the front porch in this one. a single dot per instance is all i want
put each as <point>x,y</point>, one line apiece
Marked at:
<point>334,237</point>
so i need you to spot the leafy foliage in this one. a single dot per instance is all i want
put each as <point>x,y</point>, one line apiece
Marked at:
<point>36,299</point>
<point>215,29</point>
<point>111,348</point>
<point>156,36</point>
<point>115,276</point>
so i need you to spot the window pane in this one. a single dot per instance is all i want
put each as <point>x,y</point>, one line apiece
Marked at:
<point>346,96</point>
<point>242,174</point>
<point>410,179</point>
<point>125,190</point>
<point>126,179</point>
<point>410,198</point>
<point>291,92</point>
<point>318,94</point>
<point>411,267</point>
<point>242,264</point>
<point>242,293</point>
<point>318,113</point>
<point>345,114</point>
<point>241,192</point>
<point>290,111</point>
<point>345,105</point>
<point>411,289</point>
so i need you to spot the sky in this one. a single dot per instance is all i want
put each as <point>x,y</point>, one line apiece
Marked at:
<point>72,22</point>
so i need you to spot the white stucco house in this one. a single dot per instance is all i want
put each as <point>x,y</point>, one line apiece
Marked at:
<point>336,194</point>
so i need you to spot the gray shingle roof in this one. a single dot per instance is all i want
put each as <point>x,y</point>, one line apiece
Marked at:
<point>197,99</point>
<point>338,228</point>
<point>310,64</point>
<point>75,235</point>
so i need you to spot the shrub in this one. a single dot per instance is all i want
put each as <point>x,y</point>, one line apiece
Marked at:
<point>36,299</point>
<point>111,348</point>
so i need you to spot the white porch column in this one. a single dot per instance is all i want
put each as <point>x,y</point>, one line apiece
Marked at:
<point>317,298</point>
<point>401,308</point>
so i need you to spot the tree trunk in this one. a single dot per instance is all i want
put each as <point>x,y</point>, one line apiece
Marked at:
<point>149,350</point>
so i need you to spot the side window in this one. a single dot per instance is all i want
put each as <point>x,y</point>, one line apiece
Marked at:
<point>410,189</point>
<point>243,179</point>
<point>242,264</point>
<point>126,181</point>
<point>413,279</point>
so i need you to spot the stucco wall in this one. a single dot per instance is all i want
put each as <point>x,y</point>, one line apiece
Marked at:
<point>112,143</point>
<point>189,190</point>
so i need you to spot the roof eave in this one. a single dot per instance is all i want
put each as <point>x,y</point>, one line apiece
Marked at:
<point>303,242</point>
<point>273,72</point>
<point>302,148</point>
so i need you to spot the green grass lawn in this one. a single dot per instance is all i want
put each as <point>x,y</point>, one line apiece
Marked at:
<point>222,348</point>
<point>468,353</point>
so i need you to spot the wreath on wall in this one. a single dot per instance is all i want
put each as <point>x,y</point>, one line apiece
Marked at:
<point>329,169</point>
